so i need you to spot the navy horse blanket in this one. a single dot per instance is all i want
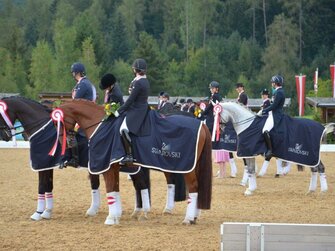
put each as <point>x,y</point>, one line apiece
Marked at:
<point>41,143</point>
<point>170,147</point>
<point>295,140</point>
<point>227,140</point>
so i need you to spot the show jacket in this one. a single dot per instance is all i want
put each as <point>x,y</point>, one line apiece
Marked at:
<point>136,107</point>
<point>277,106</point>
<point>115,95</point>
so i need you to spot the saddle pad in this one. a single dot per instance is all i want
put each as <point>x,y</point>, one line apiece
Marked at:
<point>170,147</point>
<point>40,144</point>
<point>228,139</point>
<point>296,140</point>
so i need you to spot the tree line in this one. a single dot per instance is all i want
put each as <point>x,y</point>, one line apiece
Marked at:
<point>187,44</point>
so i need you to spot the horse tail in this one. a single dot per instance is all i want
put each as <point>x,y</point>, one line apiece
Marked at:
<point>204,172</point>
<point>330,127</point>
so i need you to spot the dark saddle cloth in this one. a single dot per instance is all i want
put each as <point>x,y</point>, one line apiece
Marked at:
<point>171,146</point>
<point>40,144</point>
<point>295,140</point>
<point>228,139</point>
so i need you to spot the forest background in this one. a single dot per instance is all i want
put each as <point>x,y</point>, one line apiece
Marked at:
<point>187,44</point>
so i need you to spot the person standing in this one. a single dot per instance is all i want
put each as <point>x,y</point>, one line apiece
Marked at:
<point>112,89</point>
<point>83,89</point>
<point>135,109</point>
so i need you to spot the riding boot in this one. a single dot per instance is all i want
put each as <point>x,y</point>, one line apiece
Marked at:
<point>268,153</point>
<point>128,159</point>
<point>74,160</point>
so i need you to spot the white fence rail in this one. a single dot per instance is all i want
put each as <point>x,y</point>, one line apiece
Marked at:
<point>276,237</point>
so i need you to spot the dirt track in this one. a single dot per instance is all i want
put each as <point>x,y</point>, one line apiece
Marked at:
<point>280,200</point>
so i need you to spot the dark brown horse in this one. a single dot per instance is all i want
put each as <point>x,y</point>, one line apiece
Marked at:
<point>199,181</point>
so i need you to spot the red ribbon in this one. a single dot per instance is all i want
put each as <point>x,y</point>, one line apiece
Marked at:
<point>217,109</point>
<point>57,116</point>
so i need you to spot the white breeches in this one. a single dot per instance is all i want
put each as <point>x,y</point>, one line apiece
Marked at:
<point>268,123</point>
<point>124,126</point>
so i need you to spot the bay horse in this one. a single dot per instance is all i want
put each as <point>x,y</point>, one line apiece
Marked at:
<point>198,181</point>
<point>34,117</point>
<point>36,121</point>
<point>242,119</point>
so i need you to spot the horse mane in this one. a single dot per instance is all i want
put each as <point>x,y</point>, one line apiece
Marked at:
<point>24,99</point>
<point>239,105</point>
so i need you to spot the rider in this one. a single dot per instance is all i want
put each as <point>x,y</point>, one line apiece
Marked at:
<point>83,89</point>
<point>165,106</point>
<point>274,111</point>
<point>265,98</point>
<point>135,109</point>
<point>112,89</point>
<point>242,96</point>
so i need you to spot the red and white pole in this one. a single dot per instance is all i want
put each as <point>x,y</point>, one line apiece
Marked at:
<point>300,83</point>
<point>332,75</point>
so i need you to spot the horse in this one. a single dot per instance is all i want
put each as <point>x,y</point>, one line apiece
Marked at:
<point>242,119</point>
<point>90,116</point>
<point>35,119</point>
<point>34,116</point>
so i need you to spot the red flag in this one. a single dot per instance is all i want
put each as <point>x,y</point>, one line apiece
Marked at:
<point>300,83</point>
<point>332,75</point>
<point>316,76</point>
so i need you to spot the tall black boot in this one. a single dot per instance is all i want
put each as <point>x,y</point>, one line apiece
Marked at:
<point>128,159</point>
<point>268,153</point>
<point>73,145</point>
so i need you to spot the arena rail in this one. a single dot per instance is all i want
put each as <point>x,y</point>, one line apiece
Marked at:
<point>276,236</point>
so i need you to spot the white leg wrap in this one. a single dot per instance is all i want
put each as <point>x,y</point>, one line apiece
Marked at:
<point>233,168</point>
<point>279,166</point>
<point>170,198</point>
<point>252,182</point>
<point>118,204</point>
<point>313,182</point>
<point>323,182</point>
<point>192,207</point>
<point>40,203</point>
<point>264,168</point>
<point>49,204</point>
<point>145,200</point>
<point>95,203</point>
<point>244,180</point>
<point>287,168</point>
<point>112,200</point>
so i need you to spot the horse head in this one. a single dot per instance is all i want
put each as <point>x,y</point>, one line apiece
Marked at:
<point>7,120</point>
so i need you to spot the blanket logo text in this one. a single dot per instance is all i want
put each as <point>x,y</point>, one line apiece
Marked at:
<point>165,151</point>
<point>298,150</point>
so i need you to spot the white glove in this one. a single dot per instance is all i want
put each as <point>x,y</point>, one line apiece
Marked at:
<point>116,114</point>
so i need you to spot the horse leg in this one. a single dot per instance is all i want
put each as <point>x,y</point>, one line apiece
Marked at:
<point>45,196</point>
<point>192,211</point>
<point>170,203</point>
<point>95,193</point>
<point>111,178</point>
<point>265,166</point>
<point>244,180</point>
<point>233,168</point>
<point>251,176</point>
<point>314,180</point>
<point>141,182</point>
<point>279,171</point>
<point>323,178</point>
<point>287,168</point>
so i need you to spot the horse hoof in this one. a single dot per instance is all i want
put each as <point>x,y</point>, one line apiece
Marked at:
<point>135,214</point>
<point>92,211</point>
<point>248,192</point>
<point>143,217</point>
<point>167,211</point>
<point>233,175</point>
<point>323,191</point>
<point>188,222</point>
<point>277,175</point>
<point>260,175</point>
<point>112,220</point>
<point>46,214</point>
<point>36,216</point>
<point>310,192</point>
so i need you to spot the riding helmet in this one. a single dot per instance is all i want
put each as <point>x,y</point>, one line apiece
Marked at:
<point>214,84</point>
<point>106,81</point>
<point>277,79</point>
<point>265,92</point>
<point>140,65</point>
<point>238,85</point>
<point>78,68</point>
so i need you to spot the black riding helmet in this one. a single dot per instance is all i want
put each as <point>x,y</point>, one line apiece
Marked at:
<point>214,84</point>
<point>78,68</point>
<point>140,65</point>
<point>265,92</point>
<point>277,79</point>
<point>106,81</point>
